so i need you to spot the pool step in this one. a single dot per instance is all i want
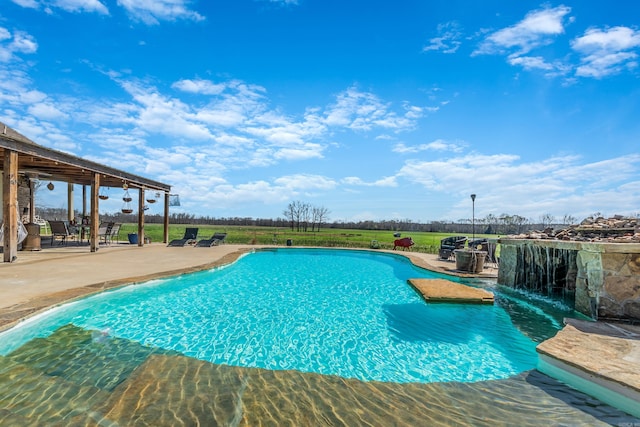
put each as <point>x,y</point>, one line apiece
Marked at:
<point>28,397</point>
<point>166,386</point>
<point>67,376</point>
<point>83,357</point>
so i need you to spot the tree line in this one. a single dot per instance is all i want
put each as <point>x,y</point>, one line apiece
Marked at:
<point>305,217</point>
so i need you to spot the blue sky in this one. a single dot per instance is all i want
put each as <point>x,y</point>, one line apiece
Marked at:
<point>373,110</point>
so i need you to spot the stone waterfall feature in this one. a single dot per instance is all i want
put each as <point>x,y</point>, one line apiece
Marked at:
<point>601,279</point>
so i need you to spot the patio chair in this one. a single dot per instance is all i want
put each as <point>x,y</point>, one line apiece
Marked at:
<point>104,231</point>
<point>113,234</point>
<point>190,235</point>
<point>60,229</point>
<point>450,244</point>
<point>215,240</point>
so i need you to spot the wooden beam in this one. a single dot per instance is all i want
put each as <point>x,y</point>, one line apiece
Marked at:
<point>95,217</point>
<point>10,206</point>
<point>141,217</point>
<point>62,165</point>
<point>166,218</point>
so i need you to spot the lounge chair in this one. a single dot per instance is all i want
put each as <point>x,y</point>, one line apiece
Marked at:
<point>450,244</point>
<point>215,240</point>
<point>190,235</point>
<point>60,229</point>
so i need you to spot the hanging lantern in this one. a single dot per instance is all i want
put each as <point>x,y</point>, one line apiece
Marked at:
<point>50,186</point>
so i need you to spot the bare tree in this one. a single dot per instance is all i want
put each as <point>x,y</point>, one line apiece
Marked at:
<point>318,215</point>
<point>569,219</point>
<point>292,213</point>
<point>296,213</point>
<point>305,216</point>
<point>547,220</point>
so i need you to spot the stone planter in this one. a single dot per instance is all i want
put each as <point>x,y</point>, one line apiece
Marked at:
<point>470,261</point>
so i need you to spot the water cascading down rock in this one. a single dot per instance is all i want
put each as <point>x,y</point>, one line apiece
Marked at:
<point>594,266</point>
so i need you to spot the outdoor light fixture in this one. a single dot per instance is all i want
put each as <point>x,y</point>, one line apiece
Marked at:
<point>50,186</point>
<point>473,215</point>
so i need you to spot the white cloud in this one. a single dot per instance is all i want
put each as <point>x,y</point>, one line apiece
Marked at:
<point>74,6</point>
<point>606,52</point>
<point>551,69</point>
<point>204,87</point>
<point>283,1</point>
<point>151,12</point>
<point>531,62</point>
<point>216,195</point>
<point>47,111</point>
<point>388,181</point>
<point>437,145</point>
<point>31,4</point>
<point>12,44</point>
<point>157,113</point>
<point>448,40</point>
<point>364,111</point>
<point>611,40</point>
<point>305,182</point>
<point>81,6</point>
<point>537,29</point>
<point>506,183</point>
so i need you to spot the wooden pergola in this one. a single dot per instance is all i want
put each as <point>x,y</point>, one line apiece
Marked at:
<point>20,153</point>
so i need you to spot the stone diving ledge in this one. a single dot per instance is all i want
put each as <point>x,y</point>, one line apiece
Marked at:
<point>600,359</point>
<point>440,290</point>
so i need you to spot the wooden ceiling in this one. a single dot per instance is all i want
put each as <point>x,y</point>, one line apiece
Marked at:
<point>44,163</point>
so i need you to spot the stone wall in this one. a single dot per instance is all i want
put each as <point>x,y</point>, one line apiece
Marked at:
<point>24,195</point>
<point>605,276</point>
<point>620,294</point>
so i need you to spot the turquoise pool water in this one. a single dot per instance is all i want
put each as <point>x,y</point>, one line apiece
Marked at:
<point>333,312</point>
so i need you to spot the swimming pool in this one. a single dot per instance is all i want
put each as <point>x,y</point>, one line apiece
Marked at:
<point>332,312</point>
<point>298,337</point>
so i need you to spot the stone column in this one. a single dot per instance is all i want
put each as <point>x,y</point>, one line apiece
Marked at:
<point>588,282</point>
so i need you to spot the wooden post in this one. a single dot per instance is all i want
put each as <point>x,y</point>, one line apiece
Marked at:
<point>84,201</point>
<point>32,201</point>
<point>141,217</point>
<point>70,209</point>
<point>95,218</point>
<point>166,218</point>
<point>10,205</point>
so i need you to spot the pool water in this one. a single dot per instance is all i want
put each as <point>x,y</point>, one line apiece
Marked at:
<point>337,312</point>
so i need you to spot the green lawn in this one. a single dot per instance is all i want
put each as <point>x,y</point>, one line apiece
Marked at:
<point>330,237</point>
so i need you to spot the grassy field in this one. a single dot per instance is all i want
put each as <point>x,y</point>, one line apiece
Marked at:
<point>424,242</point>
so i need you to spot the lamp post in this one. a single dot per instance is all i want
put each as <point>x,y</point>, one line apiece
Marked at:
<point>473,216</point>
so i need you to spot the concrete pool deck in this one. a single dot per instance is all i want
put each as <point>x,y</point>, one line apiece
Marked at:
<point>39,280</point>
